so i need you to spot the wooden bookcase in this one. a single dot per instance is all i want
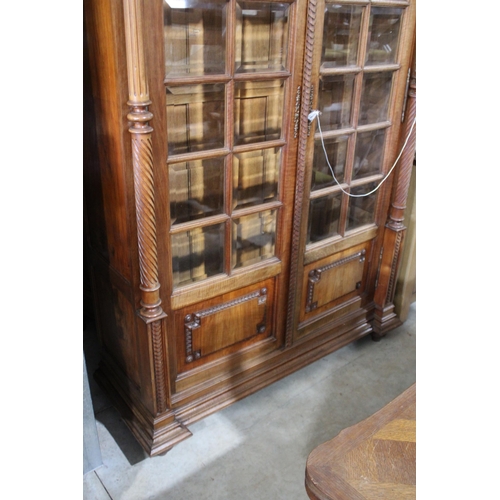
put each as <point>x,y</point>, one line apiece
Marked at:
<point>223,253</point>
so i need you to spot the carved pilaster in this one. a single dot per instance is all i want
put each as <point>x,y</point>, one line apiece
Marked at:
<point>142,161</point>
<point>301,158</point>
<point>385,317</point>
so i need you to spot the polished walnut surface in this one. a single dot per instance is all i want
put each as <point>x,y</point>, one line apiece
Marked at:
<point>374,459</point>
<point>222,254</point>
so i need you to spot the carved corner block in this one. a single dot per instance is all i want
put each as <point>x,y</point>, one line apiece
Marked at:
<point>191,322</point>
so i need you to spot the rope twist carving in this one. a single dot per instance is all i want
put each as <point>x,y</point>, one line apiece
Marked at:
<point>299,189</point>
<point>142,151</point>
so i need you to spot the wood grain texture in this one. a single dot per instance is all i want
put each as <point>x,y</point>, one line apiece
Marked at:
<point>374,459</point>
<point>243,346</point>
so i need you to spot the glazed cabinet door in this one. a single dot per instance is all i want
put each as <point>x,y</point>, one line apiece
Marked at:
<point>231,73</point>
<point>360,58</point>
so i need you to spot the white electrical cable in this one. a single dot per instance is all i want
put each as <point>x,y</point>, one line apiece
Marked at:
<point>315,114</point>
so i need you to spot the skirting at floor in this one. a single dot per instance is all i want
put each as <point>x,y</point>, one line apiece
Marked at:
<point>257,448</point>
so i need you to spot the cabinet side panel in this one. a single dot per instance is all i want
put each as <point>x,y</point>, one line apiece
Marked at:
<point>106,164</point>
<point>116,319</point>
<point>110,209</point>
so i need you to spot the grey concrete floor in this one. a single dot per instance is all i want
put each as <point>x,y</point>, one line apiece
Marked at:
<point>257,448</point>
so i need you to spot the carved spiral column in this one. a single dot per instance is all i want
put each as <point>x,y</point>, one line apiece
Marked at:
<point>142,160</point>
<point>398,205</point>
<point>395,229</point>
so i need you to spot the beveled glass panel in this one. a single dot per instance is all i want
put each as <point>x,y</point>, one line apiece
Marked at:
<point>195,37</point>
<point>197,254</point>
<point>258,111</point>
<point>261,36</point>
<point>340,35</point>
<point>254,238</point>
<point>255,177</point>
<point>336,149</point>
<point>368,154</point>
<point>383,36</point>
<point>335,101</point>
<point>195,118</point>
<point>375,97</point>
<point>361,211</point>
<point>196,189</point>
<point>324,215</point>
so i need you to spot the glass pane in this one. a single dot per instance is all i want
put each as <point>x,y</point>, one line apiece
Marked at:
<point>375,97</point>
<point>340,35</point>
<point>196,189</point>
<point>368,154</point>
<point>261,36</point>
<point>255,177</point>
<point>361,210</point>
<point>254,238</point>
<point>336,149</point>
<point>195,37</point>
<point>197,254</point>
<point>383,37</point>
<point>335,99</point>
<point>195,118</point>
<point>258,111</point>
<point>324,215</point>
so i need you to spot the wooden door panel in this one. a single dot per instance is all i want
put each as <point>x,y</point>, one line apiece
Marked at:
<point>216,328</point>
<point>334,279</point>
<point>221,326</point>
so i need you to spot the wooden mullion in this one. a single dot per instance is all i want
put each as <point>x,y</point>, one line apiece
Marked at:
<point>343,213</point>
<point>319,193</point>
<point>349,161</point>
<point>229,142</point>
<point>358,84</point>
<point>339,71</point>
<point>228,182</point>
<point>374,126</point>
<point>257,146</point>
<point>198,155</point>
<point>228,206</point>
<point>349,2</point>
<point>390,3</point>
<point>256,209</point>
<point>198,223</point>
<point>358,87</point>
<point>195,80</point>
<point>330,134</point>
<point>228,246</point>
<point>262,76</point>
<point>229,131</point>
<point>267,1</point>
<point>381,67</point>
<point>366,180</point>
<point>230,37</point>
